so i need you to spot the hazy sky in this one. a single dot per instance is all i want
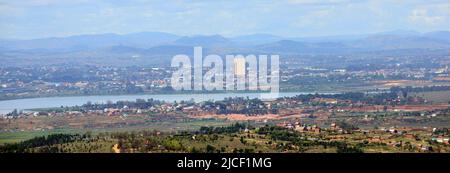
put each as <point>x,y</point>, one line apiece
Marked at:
<point>46,18</point>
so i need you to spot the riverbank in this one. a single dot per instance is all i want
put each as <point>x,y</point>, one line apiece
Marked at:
<point>52,102</point>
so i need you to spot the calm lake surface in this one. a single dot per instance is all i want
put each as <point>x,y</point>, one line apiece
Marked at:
<point>49,102</point>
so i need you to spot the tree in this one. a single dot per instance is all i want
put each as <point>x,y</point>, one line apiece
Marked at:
<point>210,149</point>
<point>242,140</point>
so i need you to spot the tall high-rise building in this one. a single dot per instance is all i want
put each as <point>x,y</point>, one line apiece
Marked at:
<point>239,66</point>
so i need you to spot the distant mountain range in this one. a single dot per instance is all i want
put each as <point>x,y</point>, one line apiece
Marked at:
<point>139,40</point>
<point>166,44</point>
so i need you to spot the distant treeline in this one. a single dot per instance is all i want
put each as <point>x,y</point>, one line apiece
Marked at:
<point>420,89</point>
<point>354,96</point>
<point>379,98</point>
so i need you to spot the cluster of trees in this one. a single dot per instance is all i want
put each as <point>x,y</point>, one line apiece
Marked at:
<point>283,134</point>
<point>279,133</point>
<point>237,127</point>
<point>14,113</point>
<point>44,142</point>
<point>442,131</point>
<point>346,126</point>
<point>344,148</point>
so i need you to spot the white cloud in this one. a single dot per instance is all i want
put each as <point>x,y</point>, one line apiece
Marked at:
<point>318,18</point>
<point>234,17</point>
<point>31,3</point>
<point>435,14</point>
<point>323,2</point>
<point>422,16</point>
